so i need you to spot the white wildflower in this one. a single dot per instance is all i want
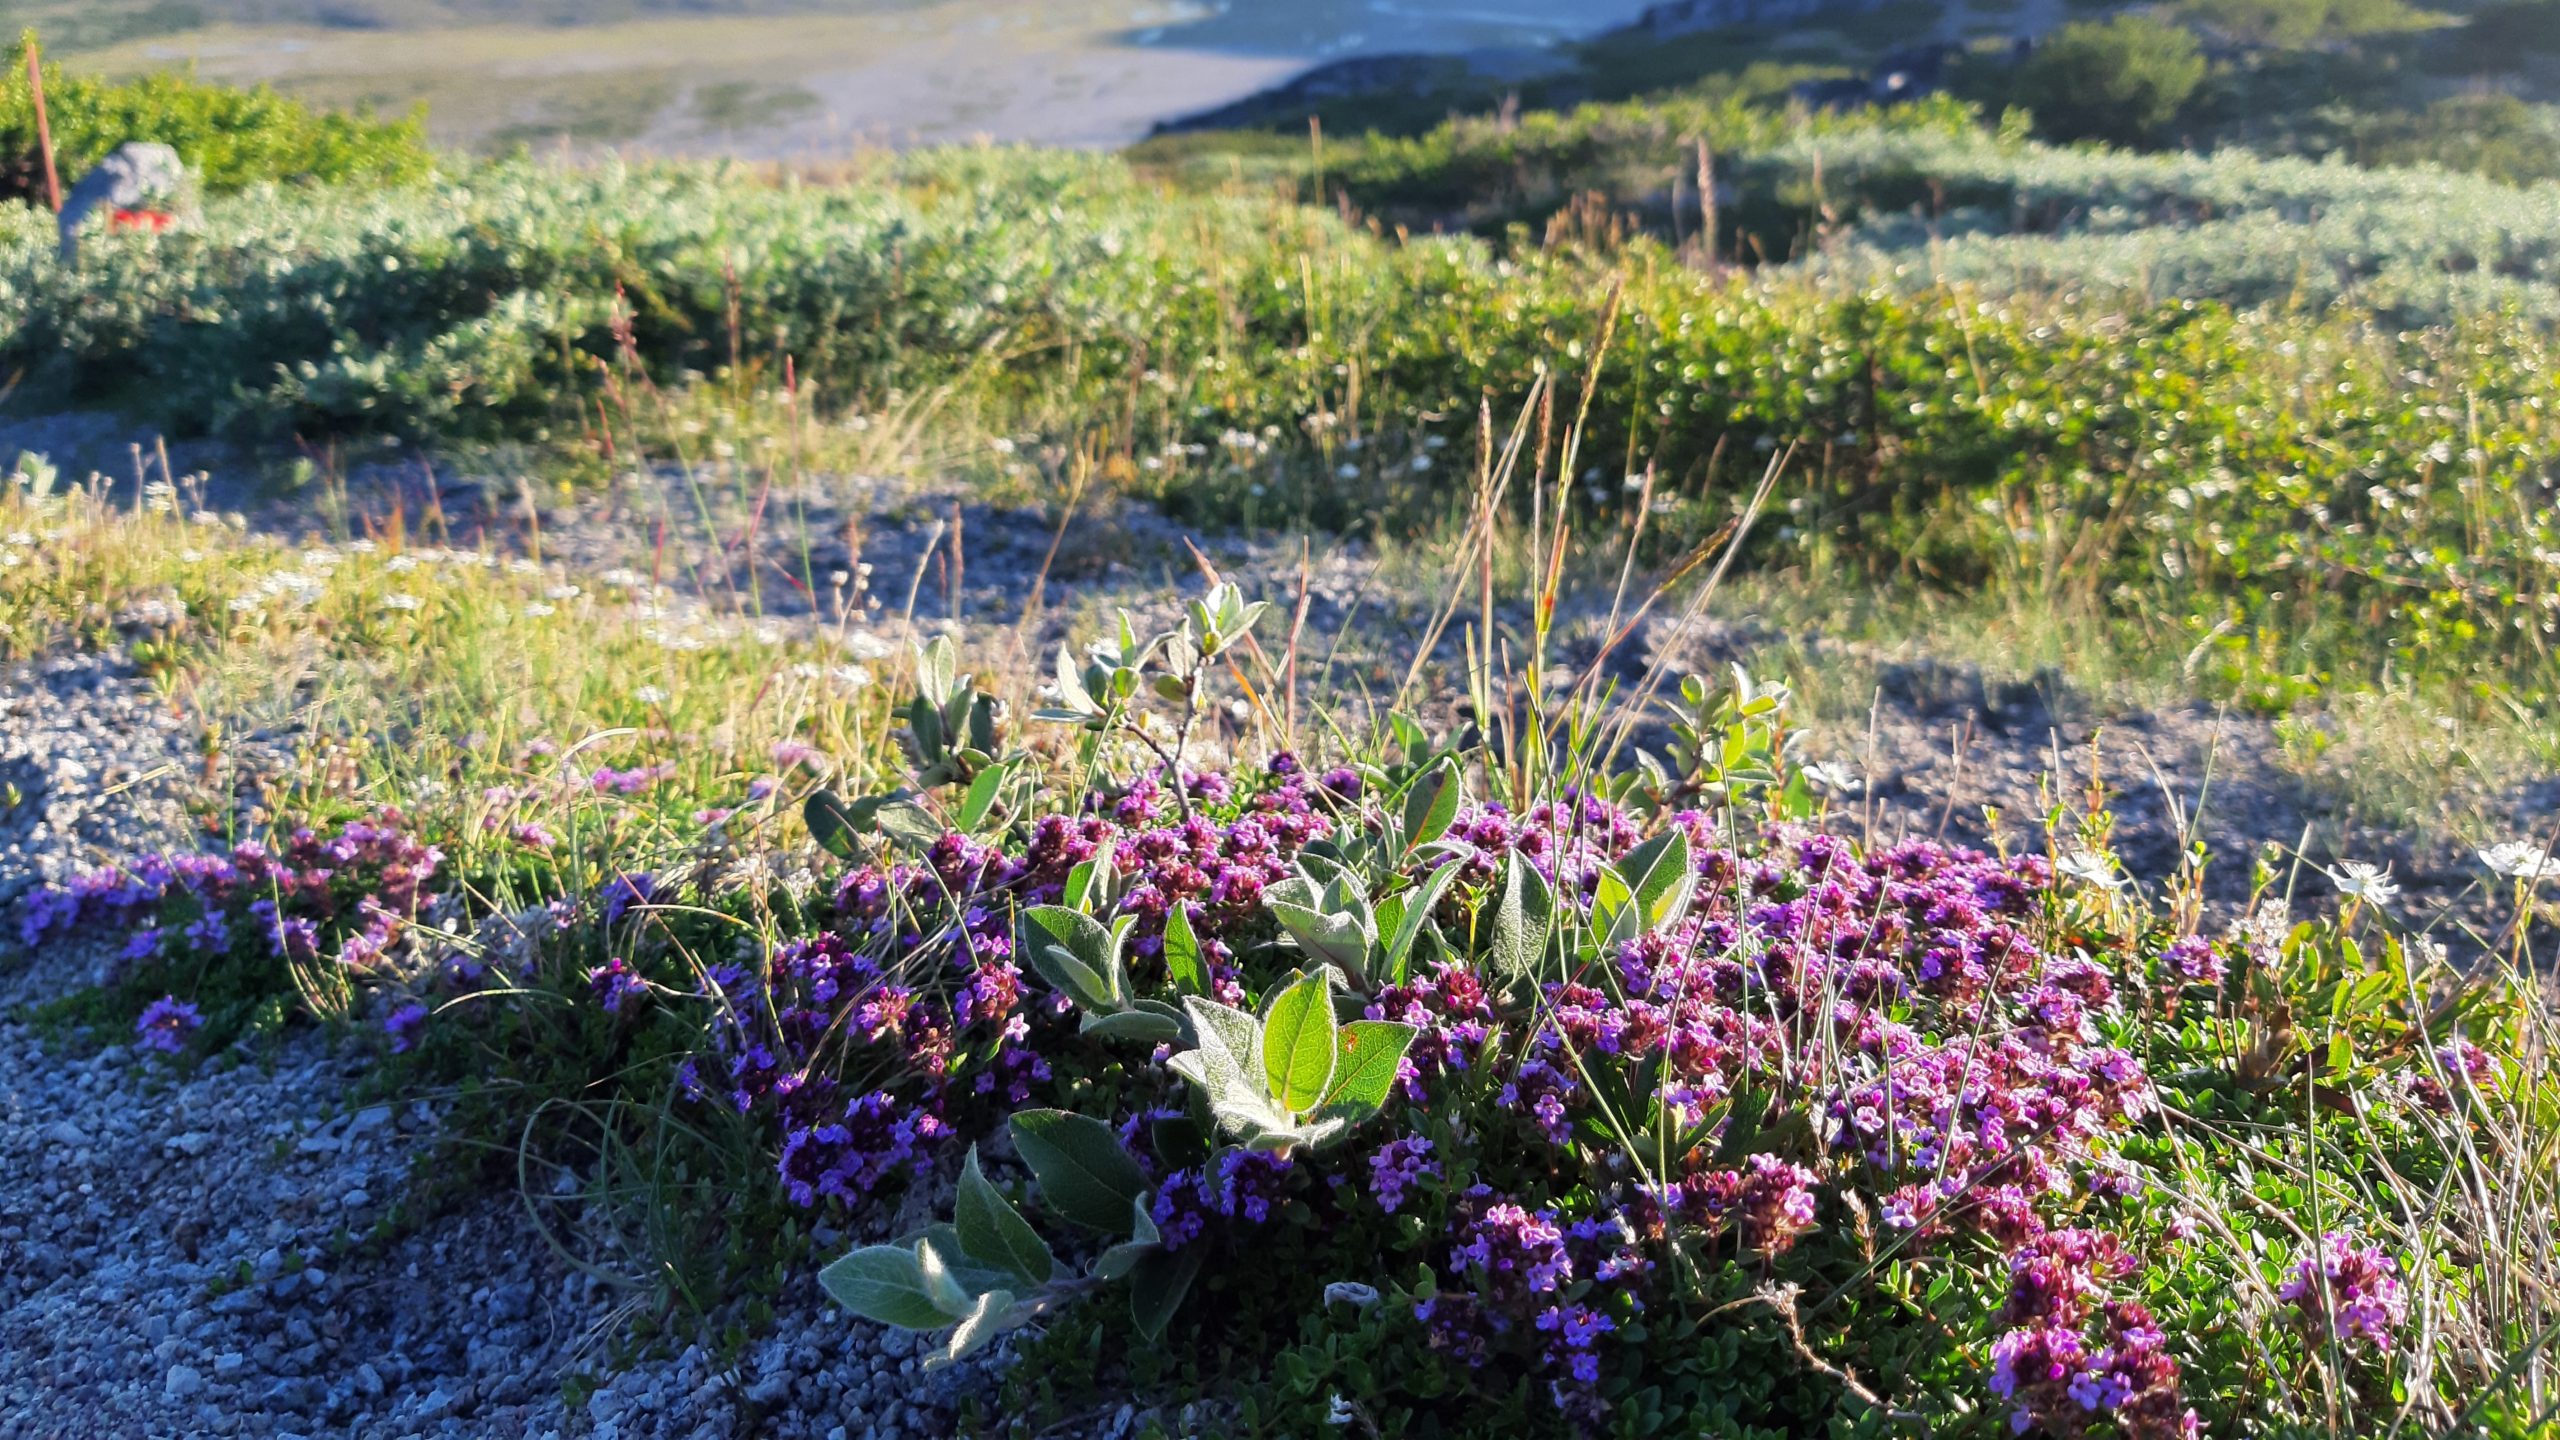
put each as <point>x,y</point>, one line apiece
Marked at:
<point>2091,868</point>
<point>401,600</point>
<point>2359,881</point>
<point>1822,775</point>
<point>2521,860</point>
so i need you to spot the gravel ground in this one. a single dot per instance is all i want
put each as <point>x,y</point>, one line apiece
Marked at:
<point>92,765</point>
<point>131,1192</point>
<point>179,1246</point>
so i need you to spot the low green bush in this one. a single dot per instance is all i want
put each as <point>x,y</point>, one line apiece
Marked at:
<point>2121,80</point>
<point>229,138</point>
<point>2291,486</point>
<point>1446,1088</point>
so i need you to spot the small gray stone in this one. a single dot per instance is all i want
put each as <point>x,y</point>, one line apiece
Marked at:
<point>182,1382</point>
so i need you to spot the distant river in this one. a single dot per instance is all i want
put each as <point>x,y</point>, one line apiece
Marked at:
<point>1334,28</point>
<point>849,72</point>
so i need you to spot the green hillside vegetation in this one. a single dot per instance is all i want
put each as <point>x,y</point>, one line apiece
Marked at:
<point>2191,390</point>
<point>1720,1121</point>
<point>230,138</point>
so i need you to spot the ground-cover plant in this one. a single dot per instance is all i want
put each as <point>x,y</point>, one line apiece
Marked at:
<point>487,693</point>
<point>230,139</point>
<point>2155,462</point>
<point>1514,1096</point>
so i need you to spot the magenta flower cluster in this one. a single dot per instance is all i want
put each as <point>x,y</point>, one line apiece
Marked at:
<point>2073,1357</point>
<point>2348,1293</point>
<point>1526,1283</point>
<point>914,981</point>
<point>347,896</point>
<point>1957,1073</point>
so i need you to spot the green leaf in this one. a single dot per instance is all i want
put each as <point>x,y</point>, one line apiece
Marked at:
<point>994,1233</point>
<point>1431,805</point>
<point>1332,926</point>
<point>1085,1176</point>
<point>982,725</point>
<point>1415,916</point>
<point>924,729</point>
<point>885,1285</point>
<point>1520,920</point>
<point>1071,977</point>
<point>1157,1285</point>
<point>1117,1261</point>
<point>1234,1035</point>
<point>1660,875</point>
<point>1143,1240</point>
<point>1365,1074</point>
<point>1145,1027</point>
<point>1115,964</point>
<point>1298,1043</point>
<point>1178,1141</point>
<point>1182,958</point>
<point>943,1238</point>
<point>909,824</point>
<point>937,670</point>
<point>990,1317</point>
<point>943,1261</point>
<point>831,824</point>
<point>1071,691</point>
<point>1086,940</point>
<point>981,799</point>
<point>1088,882</point>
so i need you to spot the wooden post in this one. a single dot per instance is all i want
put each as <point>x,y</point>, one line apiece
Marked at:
<point>44,127</point>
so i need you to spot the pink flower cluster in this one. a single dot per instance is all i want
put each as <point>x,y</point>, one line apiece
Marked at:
<point>2071,1357</point>
<point>2348,1293</point>
<point>1955,1071</point>
<point>915,979</point>
<point>347,895</point>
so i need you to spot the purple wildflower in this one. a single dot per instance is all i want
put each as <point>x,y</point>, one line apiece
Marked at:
<point>166,1024</point>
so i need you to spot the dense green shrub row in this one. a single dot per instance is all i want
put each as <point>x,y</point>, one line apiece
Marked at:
<point>1484,170</point>
<point>2422,244</point>
<point>2245,474</point>
<point>1903,182</point>
<point>229,138</point>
